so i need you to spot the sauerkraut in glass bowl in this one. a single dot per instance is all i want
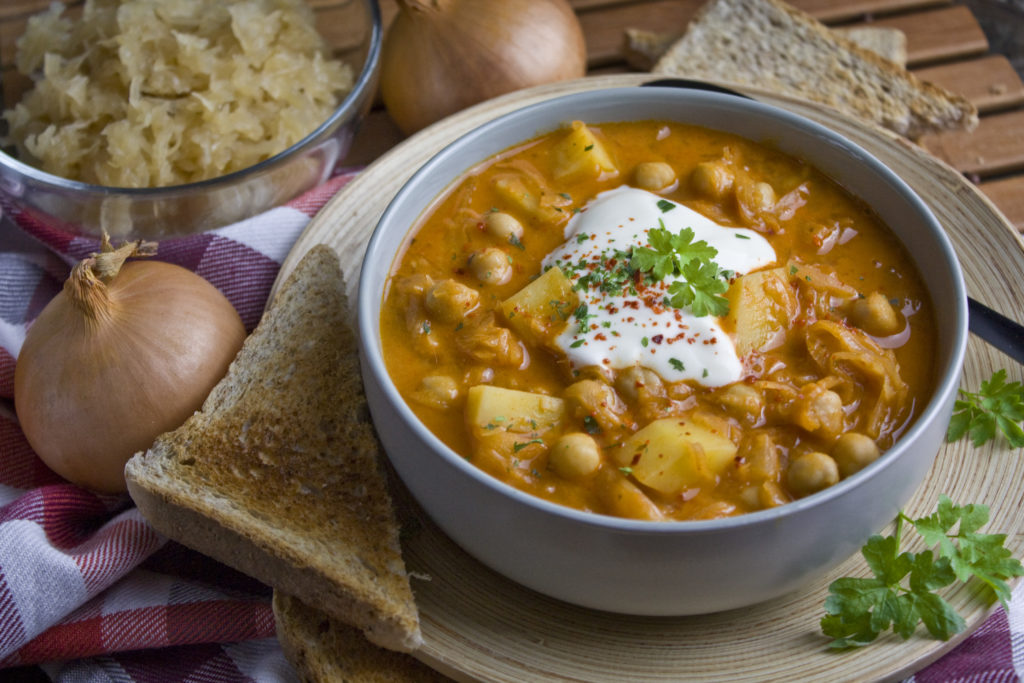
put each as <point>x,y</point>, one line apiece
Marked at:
<point>159,118</point>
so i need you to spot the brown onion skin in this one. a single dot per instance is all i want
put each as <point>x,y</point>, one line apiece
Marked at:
<point>89,393</point>
<point>441,56</point>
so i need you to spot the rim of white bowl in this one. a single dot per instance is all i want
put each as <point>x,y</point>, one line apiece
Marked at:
<point>380,253</point>
<point>364,82</point>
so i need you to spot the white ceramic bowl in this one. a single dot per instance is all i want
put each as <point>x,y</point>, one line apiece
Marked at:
<point>664,568</point>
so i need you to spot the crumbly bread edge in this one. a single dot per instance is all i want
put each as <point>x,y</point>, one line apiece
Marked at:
<point>923,107</point>
<point>324,650</point>
<point>643,48</point>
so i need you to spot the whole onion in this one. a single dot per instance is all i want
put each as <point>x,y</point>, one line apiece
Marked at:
<point>125,352</point>
<point>441,56</point>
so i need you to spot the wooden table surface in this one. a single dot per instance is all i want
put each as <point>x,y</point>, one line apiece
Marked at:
<point>945,44</point>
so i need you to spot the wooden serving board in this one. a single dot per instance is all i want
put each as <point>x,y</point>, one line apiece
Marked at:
<point>480,626</point>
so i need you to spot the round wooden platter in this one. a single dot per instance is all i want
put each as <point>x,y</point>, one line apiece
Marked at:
<point>479,626</point>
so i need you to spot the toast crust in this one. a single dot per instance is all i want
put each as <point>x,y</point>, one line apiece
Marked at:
<point>280,474</point>
<point>772,45</point>
<point>324,650</point>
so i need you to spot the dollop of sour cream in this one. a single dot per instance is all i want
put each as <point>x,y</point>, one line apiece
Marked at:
<point>634,326</point>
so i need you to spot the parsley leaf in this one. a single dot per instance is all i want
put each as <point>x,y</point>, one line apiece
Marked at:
<point>997,407</point>
<point>970,553</point>
<point>520,445</point>
<point>583,318</point>
<point>668,253</point>
<point>902,594</point>
<point>700,290</point>
<point>678,255</point>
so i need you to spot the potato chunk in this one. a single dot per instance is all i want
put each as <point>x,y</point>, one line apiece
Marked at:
<point>761,306</point>
<point>509,428</point>
<point>581,155</point>
<point>490,408</point>
<point>672,454</point>
<point>538,312</point>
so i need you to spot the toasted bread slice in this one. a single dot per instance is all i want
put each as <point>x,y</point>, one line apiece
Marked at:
<point>643,48</point>
<point>280,473</point>
<point>771,45</point>
<point>325,650</point>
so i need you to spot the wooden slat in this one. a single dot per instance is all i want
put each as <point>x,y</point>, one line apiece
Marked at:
<point>339,32</point>
<point>990,82</point>
<point>377,135</point>
<point>936,34</point>
<point>830,11</point>
<point>605,29</point>
<point>939,34</point>
<point>823,10</point>
<point>10,30</point>
<point>995,146</point>
<point>1008,195</point>
<point>21,8</point>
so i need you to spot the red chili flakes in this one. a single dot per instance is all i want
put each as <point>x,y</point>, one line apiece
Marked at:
<point>658,338</point>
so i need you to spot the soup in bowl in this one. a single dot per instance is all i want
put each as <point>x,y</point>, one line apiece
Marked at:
<point>625,346</point>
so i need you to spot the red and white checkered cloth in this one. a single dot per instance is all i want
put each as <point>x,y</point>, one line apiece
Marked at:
<point>89,591</point>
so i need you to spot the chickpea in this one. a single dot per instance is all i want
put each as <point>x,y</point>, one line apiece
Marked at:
<point>503,226</point>
<point>743,401</point>
<point>811,472</point>
<point>491,266</point>
<point>711,179</point>
<point>595,399</point>
<point>636,383</point>
<point>875,315</point>
<point>853,452</point>
<point>450,301</point>
<point>654,176</point>
<point>756,197</point>
<point>575,456</point>
<point>819,410</point>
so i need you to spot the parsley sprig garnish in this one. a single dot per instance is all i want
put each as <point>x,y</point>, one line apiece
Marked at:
<point>700,281</point>
<point>902,593</point>
<point>669,253</point>
<point>997,407</point>
<point>700,289</point>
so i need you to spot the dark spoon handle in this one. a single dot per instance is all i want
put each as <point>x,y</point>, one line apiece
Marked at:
<point>1001,332</point>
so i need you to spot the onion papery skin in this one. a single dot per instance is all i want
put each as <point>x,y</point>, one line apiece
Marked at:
<point>441,56</point>
<point>92,390</point>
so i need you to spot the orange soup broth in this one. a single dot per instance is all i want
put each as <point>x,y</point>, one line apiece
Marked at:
<point>870,259</point>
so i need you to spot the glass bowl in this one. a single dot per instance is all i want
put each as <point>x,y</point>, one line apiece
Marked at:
<point>47,202</point>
